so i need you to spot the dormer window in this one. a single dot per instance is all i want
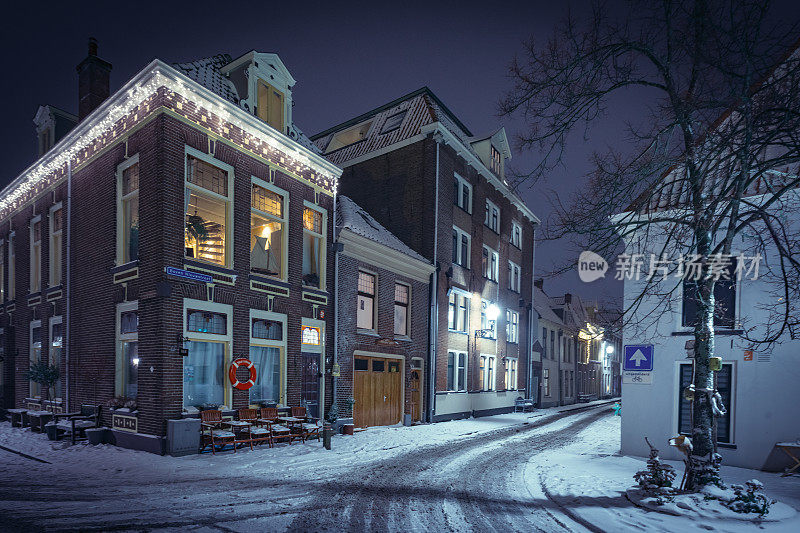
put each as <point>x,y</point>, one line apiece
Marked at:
<point>497,162</point>
<point>349,136</point>
<point>269,106</point>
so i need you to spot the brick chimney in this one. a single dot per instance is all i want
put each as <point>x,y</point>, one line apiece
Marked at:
<point>539,283</point>
<point>567,298</point>
<point>94,76</point>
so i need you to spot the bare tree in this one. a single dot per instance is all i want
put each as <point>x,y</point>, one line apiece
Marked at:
<point>715,166</point>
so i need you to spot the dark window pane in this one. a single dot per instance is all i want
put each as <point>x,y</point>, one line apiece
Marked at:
<point>377,365</point>
<point>360,364</point>
<point>267,329</point>
<point>724,300</point>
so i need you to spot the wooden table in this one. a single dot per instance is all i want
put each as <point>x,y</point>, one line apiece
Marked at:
<point>292,423</point>
<point>788,448</point>
<point>16,417</point>
<point>237,427</point>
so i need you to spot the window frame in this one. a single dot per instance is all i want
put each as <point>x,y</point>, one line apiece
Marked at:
<point>121,241</point>
<point>511,373</point>
<point>459,251</point>
<point>12,266</point>
<point>374,298</point>
<point>120,377</point>
<point>269,343</point>
<point>226,340</point>
<point>488,372</point>
<point>490,263</point>
<point>34,389</point>
<point>490,220</point>
<point>284,275</point>
<point>516,230</point>
<point>460,318</point>
<point>228,200</point>
<point>399,125</point>
<point>365,125</point>
<point>459,362</point>
<point>53,321</point>
<point>407,305</point>
<point>683,318</point>
<point>459,199</point>
<point>512,326</point>
<point>53,249</point>
<point>35,258</point>
<point>546,381</point>
<point>323,248</point>
<point>730,405</point>
<point>514,277</point>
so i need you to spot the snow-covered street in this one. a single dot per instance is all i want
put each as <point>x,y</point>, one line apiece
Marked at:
<point>552,470</point>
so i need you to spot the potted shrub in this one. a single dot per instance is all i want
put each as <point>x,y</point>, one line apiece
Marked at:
<point>44,374</point>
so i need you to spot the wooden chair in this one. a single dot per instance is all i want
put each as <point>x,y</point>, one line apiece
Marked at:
<point>211,432</point>
<point>309,428</point>
<point>269,418</point>
<point>79,421</point>
<point>255,431</point>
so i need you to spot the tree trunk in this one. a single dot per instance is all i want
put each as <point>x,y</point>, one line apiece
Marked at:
<point>703,465</point>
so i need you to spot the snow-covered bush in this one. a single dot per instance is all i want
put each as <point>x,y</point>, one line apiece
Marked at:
<point>657,478</point>
<point>750,498</point>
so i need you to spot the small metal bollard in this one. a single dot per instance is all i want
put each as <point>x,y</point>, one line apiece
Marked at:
<point>327,432</point>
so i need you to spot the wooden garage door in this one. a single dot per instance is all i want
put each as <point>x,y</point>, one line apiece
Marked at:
<point>377,393</point>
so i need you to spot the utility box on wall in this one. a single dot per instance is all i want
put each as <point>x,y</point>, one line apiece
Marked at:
<point>183,436</point>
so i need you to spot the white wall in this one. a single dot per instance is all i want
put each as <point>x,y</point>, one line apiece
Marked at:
<point>766,394</point>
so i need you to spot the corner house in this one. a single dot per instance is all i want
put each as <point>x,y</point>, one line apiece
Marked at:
<point>181,223</point>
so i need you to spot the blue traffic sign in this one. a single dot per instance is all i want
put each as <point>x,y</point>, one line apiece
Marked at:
<point>638,357</point>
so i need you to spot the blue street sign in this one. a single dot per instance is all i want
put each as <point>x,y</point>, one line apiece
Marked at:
<point>638,357</point>
<point>194,276</point>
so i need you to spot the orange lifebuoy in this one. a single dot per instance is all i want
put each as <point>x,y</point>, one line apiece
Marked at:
<point>232,373</point>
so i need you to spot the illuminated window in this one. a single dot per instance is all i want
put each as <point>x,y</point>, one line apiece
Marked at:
<point>207,207</point>
<point>35,353</point>
<point>267,232</point>
<point>349,136</point>
<point>310,335</point>
<point>269,106</point>
<point>12,267</point>
<point>268,354</point>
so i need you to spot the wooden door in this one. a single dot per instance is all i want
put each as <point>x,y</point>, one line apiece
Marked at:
<point>377,385</point>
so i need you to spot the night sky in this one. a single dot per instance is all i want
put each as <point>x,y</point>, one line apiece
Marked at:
<point>347,58</point>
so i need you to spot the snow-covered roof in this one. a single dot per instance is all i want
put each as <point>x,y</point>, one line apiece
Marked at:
<point>208,72</point>
<point>350,216</point>
<point>544,306</point>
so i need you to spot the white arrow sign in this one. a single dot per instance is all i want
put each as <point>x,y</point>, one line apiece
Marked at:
<point>638,357</point>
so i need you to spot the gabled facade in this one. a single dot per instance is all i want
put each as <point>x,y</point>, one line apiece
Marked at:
<point>171,231</point>
<point>414,167</point>
<point>383,300</point>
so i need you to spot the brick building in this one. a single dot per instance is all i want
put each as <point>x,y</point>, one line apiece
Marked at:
<point>418,170</point>
<point>148,246</point>
<point>383,298</point>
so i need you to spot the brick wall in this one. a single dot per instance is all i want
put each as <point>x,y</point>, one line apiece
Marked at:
<point>350,340</point>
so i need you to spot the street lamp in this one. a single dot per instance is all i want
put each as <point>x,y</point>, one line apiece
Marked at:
<point>609,349</point>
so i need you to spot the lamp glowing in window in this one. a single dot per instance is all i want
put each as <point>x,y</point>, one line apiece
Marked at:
<point>310,335</point>
<point>609,349</point>
<point>492,312</point>
<point>135,361</point>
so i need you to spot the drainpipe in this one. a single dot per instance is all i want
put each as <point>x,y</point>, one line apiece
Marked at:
<point>336,245</point>
<point>68,285</point>
<point>531,333</point>
<point>434,311</point>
